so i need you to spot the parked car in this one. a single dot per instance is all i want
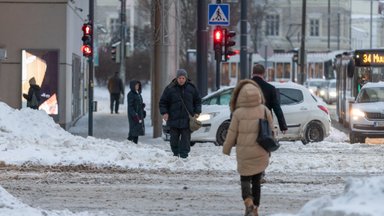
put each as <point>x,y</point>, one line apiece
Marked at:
<point>328,92</point>
<point>315,85</point>
<point>367,113</point>
<point>307,117</point>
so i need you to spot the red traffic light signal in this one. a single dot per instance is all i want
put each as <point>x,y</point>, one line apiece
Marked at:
<point>218,35</point>
<point>218,42</point>
<point>87,48</point>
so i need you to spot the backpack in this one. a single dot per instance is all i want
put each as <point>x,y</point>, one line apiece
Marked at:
<point>34,102</point>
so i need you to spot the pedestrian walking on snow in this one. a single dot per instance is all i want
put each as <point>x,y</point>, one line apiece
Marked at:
<point>181,94</point>
<point>247,107</point>
<point>115,88</point>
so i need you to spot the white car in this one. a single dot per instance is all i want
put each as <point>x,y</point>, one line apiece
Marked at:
<point>307,117</point>
<point>315,85</point>
<point>367,113</point>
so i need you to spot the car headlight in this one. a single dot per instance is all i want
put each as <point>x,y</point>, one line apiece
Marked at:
<point>322,92</point>
<point>357,113</point>
<point>206,116</point>
<point>332,94</point>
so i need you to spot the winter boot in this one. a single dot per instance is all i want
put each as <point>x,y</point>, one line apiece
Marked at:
<point>255,211</point>
<point>248,202</point>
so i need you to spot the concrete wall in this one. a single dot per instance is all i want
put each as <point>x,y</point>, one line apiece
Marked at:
<point>40,24</point>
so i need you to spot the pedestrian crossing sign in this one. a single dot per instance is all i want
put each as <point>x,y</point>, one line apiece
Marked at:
<point>218,14</point>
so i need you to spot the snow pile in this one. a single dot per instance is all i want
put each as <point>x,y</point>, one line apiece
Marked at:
<point>10,206</point>
<point>361,197</point>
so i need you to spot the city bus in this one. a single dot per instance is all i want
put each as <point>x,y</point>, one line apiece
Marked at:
<point>353,70</point>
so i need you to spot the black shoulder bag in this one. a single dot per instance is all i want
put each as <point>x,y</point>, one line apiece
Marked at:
<point>266,138</point>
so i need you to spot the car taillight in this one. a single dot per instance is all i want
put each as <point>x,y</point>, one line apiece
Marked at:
<point>325,109</point>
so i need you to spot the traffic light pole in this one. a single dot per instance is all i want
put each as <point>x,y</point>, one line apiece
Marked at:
<point>218,78</point>
<point>90,79</point>
<point>218,60</point>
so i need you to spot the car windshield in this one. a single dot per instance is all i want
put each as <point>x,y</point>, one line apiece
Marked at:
<point>317,83</point>
<point>332,85</point>
<point>222,98</point>
<point>369,95</point>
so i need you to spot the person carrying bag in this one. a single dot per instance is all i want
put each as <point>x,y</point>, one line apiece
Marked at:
<point>247,108</point>
<point>266,138</point>
<point>194,124</point>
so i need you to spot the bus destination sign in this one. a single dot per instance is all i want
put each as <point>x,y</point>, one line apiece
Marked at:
<point>369,58</point>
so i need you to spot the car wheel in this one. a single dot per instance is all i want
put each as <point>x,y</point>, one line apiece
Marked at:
<point>313,133</point>
<point>222,133</point>
<point>355,138</point>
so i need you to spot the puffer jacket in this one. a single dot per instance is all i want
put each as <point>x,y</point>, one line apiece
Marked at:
<point>171,102</point>
<point>247,108</point>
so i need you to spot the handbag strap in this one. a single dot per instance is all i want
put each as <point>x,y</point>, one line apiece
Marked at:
<point>185,107</point>
<point>265,113</point>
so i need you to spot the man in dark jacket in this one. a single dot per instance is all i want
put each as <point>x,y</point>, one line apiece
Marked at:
<point>115,88</point>
<point>272,98</point>
<point>178,97</point>
<point>33,97</point>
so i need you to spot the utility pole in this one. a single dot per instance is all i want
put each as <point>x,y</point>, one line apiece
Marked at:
<point>243,41</point>
<point>123,21</point>
<point>329,25</point>
<point>302,48</point>
<point>370,27</point>
<point>202,44</point>
<point>90,79</point>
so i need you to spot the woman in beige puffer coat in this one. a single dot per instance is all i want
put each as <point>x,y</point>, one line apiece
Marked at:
<point>247,107</point>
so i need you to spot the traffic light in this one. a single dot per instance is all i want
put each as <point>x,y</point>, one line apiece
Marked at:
<point>295,57</point>
<point>87,40</point>
<point>228,43</point>
<point>218,42</point>
<point>115,52</point>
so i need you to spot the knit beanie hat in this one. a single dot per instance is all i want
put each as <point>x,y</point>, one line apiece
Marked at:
<point>32,81</point>
<point>181,72</point>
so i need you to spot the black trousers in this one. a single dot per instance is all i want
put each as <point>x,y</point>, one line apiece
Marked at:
<point>115,101</point>
<point>251,187</point>
<point>180,139</point>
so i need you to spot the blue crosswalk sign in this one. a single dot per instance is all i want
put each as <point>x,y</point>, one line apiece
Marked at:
<point>218,14</point>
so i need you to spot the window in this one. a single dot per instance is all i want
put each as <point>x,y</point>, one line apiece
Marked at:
<point>314,27</point>
<point>272,25</point>
<point>222,98</point>
<point>290,96</point>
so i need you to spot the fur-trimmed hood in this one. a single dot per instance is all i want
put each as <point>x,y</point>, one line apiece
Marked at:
<point>246,94</point>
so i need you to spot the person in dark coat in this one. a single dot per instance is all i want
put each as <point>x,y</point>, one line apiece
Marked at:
<point>33,97</point>
<point>136,113</point>
<point>272,98</point>
<point>180,90</point>
<point>115,88</point>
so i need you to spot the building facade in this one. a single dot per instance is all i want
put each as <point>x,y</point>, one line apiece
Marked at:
<point>42,39</point>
